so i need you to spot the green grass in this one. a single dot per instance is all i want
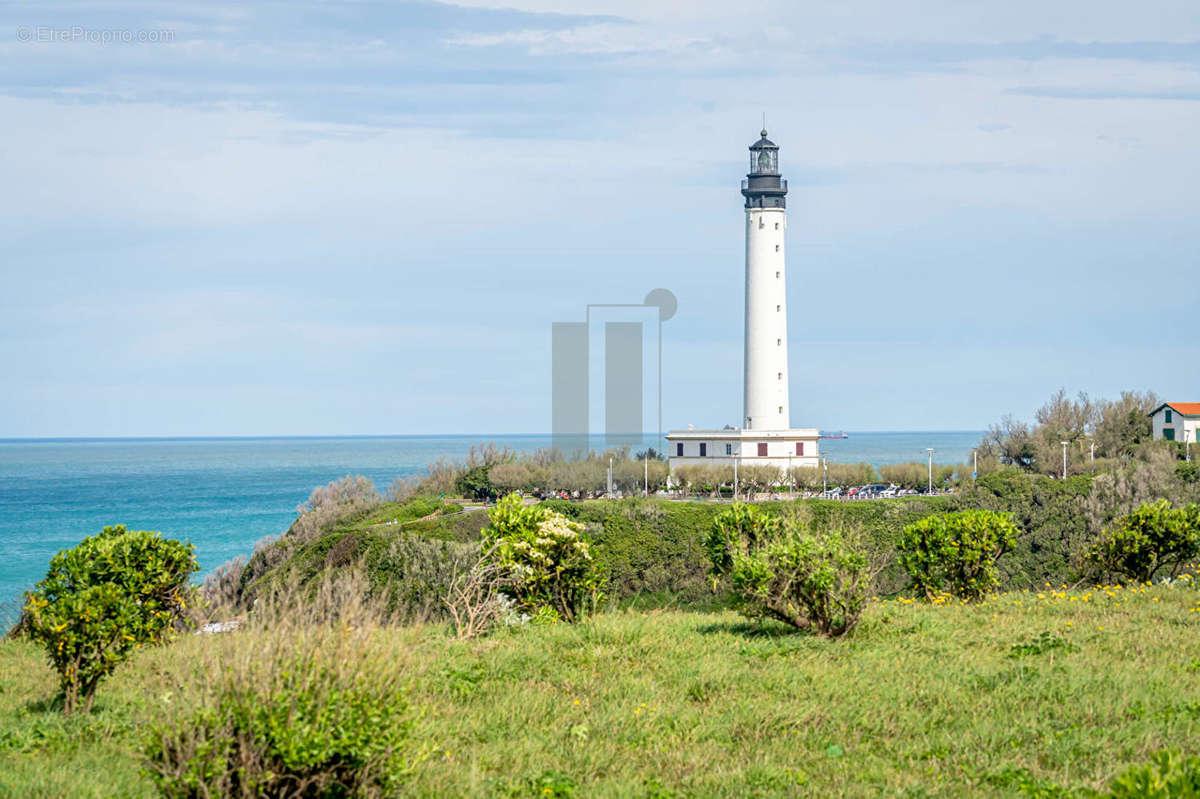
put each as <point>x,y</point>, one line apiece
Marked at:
<point>1019,696</point>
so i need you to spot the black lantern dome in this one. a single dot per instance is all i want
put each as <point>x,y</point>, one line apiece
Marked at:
<point>763,186</point>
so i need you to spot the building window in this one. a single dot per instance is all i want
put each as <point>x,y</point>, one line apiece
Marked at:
<point>762,450</point>
<point>779,376</point>
<point>729,449</point>
<point>781,409</point>
<point>778,342</point>
<point>778,307</point>
<point>761,223</point>
<point>1169,433</point>
<point>703,450</point>
<point>777,226</point>
<point>776,274</point>
<point>1168,419</point>
<point>800,448</point>
<point>679,449</point>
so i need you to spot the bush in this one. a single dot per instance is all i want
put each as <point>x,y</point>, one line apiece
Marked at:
<point>1168,775</point>
<point>957,552</point>
<point>735,531</point>
<point>549,562</point>
<point>806,579</point>
<point>308,714</point>
<point>111,594</point>
<point>1153,537</point>
<point>784,571</point>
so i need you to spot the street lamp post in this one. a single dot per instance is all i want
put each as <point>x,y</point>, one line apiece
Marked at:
<point>825,478</point>
<point>735,478</point>
<point>930,451</point>
<point>1064,446</point>
<point>975,465</point>
<point>646,471</point>
<point>1093,453</point>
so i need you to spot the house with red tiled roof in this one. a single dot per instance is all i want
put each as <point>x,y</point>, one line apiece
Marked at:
<point>1177,421</point>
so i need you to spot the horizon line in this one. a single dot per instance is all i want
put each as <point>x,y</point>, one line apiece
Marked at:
<point>330,436</point>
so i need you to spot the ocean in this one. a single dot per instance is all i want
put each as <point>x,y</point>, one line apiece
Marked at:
<point>223,494</point>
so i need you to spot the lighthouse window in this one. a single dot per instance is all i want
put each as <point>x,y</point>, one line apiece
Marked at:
<point>778,342</point>
<point>781,409</point>
<point>779,376</point>
<point>778,307</point>
<point>777,226</point>
<point>776,248</point>
<point>761,224</point>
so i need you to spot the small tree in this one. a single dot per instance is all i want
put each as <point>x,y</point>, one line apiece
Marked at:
<point>957,552</point>
<point>785,571</point>
<point>112,593</point>
<point>545,555</point>
<point>809,580</point>
<point>1153,537</point>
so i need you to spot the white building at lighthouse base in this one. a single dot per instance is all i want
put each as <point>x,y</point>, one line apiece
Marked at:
<point>782,449</point>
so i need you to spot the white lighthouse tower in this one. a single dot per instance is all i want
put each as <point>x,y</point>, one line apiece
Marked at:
<point>765,436</point>
<point>766,364</point>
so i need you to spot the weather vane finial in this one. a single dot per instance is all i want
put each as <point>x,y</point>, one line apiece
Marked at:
<point>764,129</point>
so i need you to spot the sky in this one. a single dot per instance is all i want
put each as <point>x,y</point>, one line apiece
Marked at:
<point>299,218</point>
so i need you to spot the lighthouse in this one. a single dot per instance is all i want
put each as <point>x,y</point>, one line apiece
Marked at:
<point>765,436</point>
<point>765,381</point>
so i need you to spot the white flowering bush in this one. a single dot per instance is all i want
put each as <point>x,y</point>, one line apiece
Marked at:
<point>546,557</point>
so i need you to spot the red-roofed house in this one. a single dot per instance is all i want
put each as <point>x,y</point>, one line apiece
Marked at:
<point>1177,421</point>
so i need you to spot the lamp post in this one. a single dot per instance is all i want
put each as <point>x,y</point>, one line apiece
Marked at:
<point>1064,446</point>
<point>735,478</point>
<point>825,478</point>
<point>646,471</point>
<point>930,451</point>
<point>1093,452</point>
<point>975,465</point>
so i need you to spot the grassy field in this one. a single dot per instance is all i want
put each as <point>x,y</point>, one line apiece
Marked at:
<point>1026,695</point>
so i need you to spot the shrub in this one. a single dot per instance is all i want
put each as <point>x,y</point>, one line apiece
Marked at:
<point>111,594</point>
<point>785,571</point>
<point>735,531</point>
<point>1153,537</point>
<point>956,552</point>
<point>549,562</point>
<point>1168,775</point>
<point>809,580</point>
<point>303,713</point>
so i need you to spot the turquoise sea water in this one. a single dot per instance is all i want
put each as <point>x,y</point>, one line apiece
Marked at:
<point>225,494</point>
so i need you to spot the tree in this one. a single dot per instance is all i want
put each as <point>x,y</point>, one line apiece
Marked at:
<point>114,592</point>
<point>510,477</point>
<point>1153,537</point>
<point>1124,423</point>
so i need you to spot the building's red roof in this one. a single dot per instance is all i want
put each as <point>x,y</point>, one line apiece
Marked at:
<point>1185,408</point>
